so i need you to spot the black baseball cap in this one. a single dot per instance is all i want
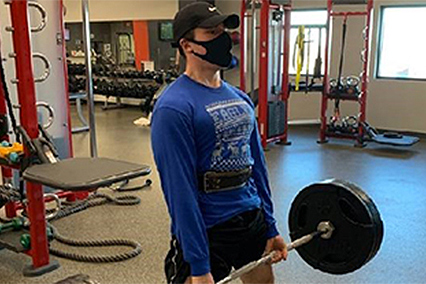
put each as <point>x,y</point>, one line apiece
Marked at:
<point>200,15</point>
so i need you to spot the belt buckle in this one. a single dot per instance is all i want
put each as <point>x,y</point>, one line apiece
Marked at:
<point>211,186</point>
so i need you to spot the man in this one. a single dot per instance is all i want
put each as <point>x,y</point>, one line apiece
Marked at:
<point>212,168</point>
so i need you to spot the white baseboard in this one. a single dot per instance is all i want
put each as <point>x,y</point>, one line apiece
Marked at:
<point>304,122</point>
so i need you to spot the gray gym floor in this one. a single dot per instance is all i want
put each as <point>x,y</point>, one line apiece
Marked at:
<point>392,177</point>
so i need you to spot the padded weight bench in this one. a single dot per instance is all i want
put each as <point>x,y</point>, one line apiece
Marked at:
<point>392,139</point>
<point>403,141</point>
<point>81,174</point>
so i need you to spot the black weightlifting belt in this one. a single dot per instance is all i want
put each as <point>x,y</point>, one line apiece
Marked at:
<point>223,181</point>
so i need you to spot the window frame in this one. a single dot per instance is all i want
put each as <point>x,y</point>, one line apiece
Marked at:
<point>308,26</point>
<point>380,43</point>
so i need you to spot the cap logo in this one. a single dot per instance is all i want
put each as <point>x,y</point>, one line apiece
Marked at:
<point>212,9</point>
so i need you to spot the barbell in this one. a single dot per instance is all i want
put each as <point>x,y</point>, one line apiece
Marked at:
<point>334,226</point>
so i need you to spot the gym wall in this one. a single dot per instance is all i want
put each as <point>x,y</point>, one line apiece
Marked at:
<point>160,51</point>
<point>108,10</point>
<point>392,104</point>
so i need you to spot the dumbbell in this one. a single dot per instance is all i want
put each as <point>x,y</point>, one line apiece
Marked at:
<point>351,85</point>
<point>350,125</point>
<point>152,90</point>
<point>129,91</point>
<point>149,75</point>
<point>25,239</point>
<point>71,68</point>
<point>119,89</point>
<point>120,73</point>
<point>15,224</point>
<point>80,69</point>
<point>101,70</point>
<point>139,90</point>
<point>105,72</point>
<point>127,74</point>
<point>112,87</point>
<point>102,86</point>
<point>81,83</point>
<point>95,69</point>
<point>144,91</point>
<point>96,86</point>
<point>142,75</point>
<point>168,78</point>
<point>159,78</point>
<point>335,87</point>
<point>136,74</point>
<point>72,84</point>
<point>76,84</point>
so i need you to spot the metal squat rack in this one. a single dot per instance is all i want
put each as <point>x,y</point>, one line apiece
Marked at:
<point>25,81</point>
<point>362,98</point>
<point>273,62</point>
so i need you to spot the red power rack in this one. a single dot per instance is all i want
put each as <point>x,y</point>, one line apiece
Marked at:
<point>29,121</point>
<point>266,6</point>
<point>362,100</point>
<point>23,57</point>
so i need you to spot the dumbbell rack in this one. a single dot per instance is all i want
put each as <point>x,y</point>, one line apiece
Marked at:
<point>362,99</point>
<point>25,81</point>
<point>122,101</point>
<point>118,101</point>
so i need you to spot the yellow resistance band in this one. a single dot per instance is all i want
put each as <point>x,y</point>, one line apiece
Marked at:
<point>300,54</point>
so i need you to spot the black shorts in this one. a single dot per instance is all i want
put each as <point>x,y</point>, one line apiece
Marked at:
<point>233,244</point>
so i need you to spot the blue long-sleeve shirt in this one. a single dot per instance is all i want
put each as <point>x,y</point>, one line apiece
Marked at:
<point>196,129</point>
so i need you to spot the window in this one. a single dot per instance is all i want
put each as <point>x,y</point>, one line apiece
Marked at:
<point>315,28</point>
<point>402,45</point>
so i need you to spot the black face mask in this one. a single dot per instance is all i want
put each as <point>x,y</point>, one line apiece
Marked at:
<point>218,50</point>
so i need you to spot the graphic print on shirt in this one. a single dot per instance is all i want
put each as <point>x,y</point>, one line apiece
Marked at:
<point>233,122</point>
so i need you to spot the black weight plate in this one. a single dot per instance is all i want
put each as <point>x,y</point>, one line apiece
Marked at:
<point>373,210</point>
<point>358,227</point>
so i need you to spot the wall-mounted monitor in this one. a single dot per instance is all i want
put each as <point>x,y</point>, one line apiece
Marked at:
<point>165,31</point>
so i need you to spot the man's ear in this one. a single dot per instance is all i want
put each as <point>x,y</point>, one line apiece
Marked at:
<point>186,46</point>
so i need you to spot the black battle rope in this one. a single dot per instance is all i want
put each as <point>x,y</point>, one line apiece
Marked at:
<point>96,199</point>
<point>318,61</point>
<point>136,249</point>
<point>8,194</point>
<point>8,100</point>
<point>12,118</point>
<point>342,57</point>
<point>93,200</point>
